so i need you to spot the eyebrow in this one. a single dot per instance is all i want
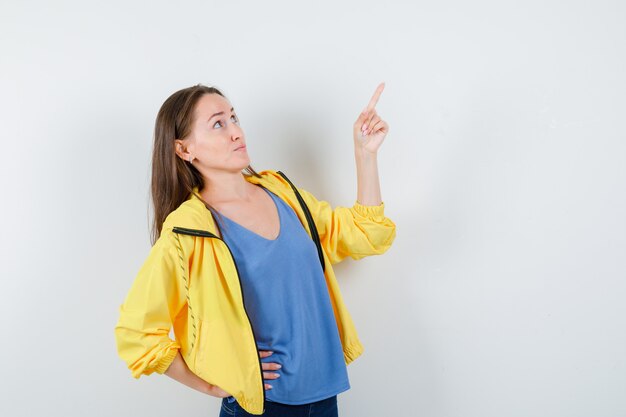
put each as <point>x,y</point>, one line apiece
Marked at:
<point>220,113</point>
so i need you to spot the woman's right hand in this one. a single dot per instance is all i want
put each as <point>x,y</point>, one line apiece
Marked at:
<point>269,366</point>
<point>216,391</point>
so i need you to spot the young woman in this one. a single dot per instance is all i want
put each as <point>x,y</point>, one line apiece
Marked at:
<point>241,267</point>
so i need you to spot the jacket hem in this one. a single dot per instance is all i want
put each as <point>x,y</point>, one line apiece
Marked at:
<point>252,407</point>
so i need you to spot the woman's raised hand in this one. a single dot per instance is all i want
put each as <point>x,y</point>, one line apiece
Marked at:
<point>369,129</point>
<point>269,366</point>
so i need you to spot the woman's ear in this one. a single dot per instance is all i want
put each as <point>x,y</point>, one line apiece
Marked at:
<point>181,149</point>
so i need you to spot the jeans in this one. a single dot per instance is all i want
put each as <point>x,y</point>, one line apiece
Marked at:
<point>322,408</point>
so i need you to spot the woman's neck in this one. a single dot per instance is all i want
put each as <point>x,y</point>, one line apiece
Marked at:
<point>226,187</point>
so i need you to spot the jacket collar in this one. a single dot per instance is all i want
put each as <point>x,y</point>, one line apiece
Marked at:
<point>193,214</point>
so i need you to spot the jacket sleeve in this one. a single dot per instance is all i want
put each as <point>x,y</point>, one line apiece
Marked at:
<point>356,231</point>
<point>146,315</point>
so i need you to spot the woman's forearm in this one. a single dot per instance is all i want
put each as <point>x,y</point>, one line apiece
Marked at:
<point>368,184</point>
<point>179,371</point>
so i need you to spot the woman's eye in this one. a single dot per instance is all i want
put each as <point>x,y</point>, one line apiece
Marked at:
<point>220,122</point>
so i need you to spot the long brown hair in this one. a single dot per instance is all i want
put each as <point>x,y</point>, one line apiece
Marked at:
<point>172,178</point>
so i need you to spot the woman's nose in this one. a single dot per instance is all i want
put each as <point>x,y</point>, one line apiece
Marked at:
<point>235,133</point>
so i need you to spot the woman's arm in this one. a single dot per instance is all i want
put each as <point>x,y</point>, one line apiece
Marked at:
<point>363,229</point>
<point>369,131</point>
<point>156,296</point>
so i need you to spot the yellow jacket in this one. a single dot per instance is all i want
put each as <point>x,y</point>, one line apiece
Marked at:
<point>190,280</point>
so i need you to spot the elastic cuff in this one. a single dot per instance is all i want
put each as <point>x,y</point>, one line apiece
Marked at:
<point>352,352</point>
<point>166,360</point>
<point>370,211</point>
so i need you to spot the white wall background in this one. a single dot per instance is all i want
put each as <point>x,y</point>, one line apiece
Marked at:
<point>504,170</point>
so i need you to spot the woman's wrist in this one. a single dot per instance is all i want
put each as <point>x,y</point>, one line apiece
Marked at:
<point>359,151</point>
<point>364,158</point>
<point>204,387</point>
<point>199,384</point>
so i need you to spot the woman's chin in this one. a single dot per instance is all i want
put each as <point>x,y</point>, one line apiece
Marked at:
<point>245,164</point>
<point>246,159</point>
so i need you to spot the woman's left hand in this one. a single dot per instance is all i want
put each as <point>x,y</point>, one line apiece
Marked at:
<point>369,129</point>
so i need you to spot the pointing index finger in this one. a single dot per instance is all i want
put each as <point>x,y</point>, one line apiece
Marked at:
<point>374,99</point>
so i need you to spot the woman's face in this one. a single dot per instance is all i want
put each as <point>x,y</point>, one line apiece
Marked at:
<point>216,141</point>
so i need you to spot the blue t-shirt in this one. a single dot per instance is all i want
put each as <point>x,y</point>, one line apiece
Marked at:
<point>287,300</point>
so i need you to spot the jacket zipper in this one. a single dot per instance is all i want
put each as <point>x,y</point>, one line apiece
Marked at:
<point>204,233</point>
